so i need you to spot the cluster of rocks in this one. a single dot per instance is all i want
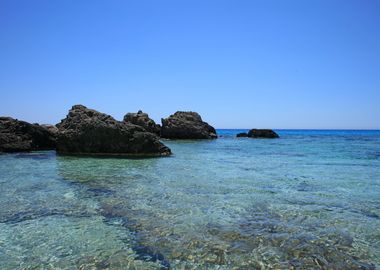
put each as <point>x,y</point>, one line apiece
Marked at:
<point>259,133</point>
<point>87,131</point>
<point>19,136</point>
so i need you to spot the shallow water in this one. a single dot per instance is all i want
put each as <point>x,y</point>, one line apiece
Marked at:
<point>309,200</point>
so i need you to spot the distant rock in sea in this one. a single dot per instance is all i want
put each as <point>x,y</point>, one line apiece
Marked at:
<point>262,133</point>
<point>86,131</point>
<point>186,125</point>
<point>142,119</point>
<point>241,135</point>
<point>20,136</point>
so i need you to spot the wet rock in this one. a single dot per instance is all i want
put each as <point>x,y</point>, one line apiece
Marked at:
<point>186,125</point>
<point>262,133</point>
<point>19,136</point>
<point>241,135</point>
<point>142,119</point>
<point>86,131</point>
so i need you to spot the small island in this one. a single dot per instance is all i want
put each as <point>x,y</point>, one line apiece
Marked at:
<point>259,133</point>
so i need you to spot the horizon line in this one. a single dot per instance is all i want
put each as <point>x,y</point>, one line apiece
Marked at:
<point>325,129</point>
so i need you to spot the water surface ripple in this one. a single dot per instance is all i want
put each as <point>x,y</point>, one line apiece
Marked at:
<point>309,200</point>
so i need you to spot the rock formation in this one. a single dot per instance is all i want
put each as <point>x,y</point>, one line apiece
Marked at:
<point>242,134</point>
<point>52,129</point>
<point>86,131</point>
<point>262,133</point>
<point>186,125</point>
<point>142,119</point>
<point>19,136</point>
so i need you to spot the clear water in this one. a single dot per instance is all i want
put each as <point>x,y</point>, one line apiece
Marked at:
<point>309,200</point>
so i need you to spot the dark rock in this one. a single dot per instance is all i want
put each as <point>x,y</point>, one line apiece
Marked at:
<point>52,129</point>
<point>243,134</point>
<point>148,254</point>
<point>142,119</point>
<point>86,131</point>
<point>20,136</point>
<point>262,133</point>
<point>186,125</point>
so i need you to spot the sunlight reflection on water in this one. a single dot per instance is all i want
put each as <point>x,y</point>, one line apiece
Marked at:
<point>303,201</point>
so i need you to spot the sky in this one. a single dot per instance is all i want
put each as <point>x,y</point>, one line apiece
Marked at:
<point>240,64</point>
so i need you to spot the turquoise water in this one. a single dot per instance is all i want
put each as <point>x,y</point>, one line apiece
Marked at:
<point>309,200</point>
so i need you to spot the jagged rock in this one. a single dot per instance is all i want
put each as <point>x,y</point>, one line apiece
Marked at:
<point>52,129</point>
<point>262,133</point>
<point>242,134</point>
<point>86,131</point>
<point>186,125</point>
<point>142,119</point>
<point>20,136</point>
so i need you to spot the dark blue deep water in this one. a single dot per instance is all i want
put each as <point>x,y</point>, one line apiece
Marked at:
<point>309,200</point>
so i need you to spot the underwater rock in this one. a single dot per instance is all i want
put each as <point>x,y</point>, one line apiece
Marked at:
<point>262,133</point>
<point>149,254</point>
<point>186,125</point>
<point>87,131</point>
<point>19,136</point>
<point>241,135</point>
<point>142,119</point>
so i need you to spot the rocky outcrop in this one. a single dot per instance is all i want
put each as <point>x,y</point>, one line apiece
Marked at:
<point>52,129</point>
<point>19,136</point>
<point>86,131</point>
<point>186,125</point>
<point>262,133</point>
<point>242,135</point>
<point>142,119</point>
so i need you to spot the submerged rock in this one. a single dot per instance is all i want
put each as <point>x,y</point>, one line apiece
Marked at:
<point>87,131</point>
<point>142,119</point>
<point>242,134</point>
<point>262,133</point>
<point>186,125</point>
<point>19,136</point>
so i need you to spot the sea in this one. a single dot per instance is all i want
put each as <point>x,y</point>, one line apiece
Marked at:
<point>308,200</point>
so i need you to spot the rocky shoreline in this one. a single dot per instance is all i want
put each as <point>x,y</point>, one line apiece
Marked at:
<point>86,131</point>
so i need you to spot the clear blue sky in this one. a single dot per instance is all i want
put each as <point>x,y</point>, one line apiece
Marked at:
<point>240,64</point>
